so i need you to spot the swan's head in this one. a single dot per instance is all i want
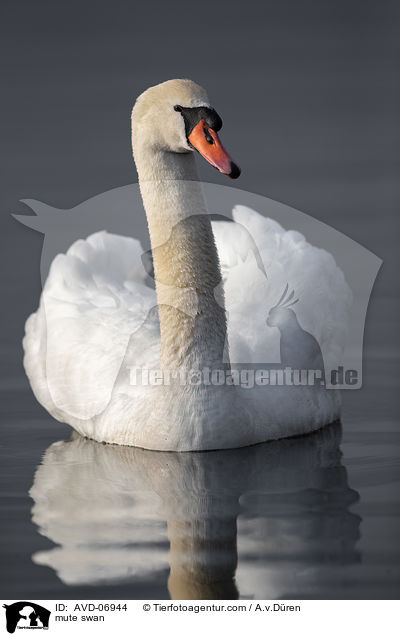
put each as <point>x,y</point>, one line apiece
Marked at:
<point>176,116</point>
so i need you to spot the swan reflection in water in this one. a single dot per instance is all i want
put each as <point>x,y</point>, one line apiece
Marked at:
<point>121,513</point>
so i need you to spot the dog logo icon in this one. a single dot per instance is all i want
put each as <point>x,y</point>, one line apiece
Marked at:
<point>26,615</point>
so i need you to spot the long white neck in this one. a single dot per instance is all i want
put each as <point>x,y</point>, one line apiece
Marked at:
<point>186,264</point>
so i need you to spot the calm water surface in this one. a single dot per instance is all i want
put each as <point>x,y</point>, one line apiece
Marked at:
<point>310,517</point>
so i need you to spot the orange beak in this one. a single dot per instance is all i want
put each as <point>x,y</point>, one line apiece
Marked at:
<point>207,142</point>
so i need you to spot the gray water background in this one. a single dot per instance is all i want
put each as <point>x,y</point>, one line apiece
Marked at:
<point>309,95</point>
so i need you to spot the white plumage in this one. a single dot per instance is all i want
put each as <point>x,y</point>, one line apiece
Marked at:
<point>95,321</point>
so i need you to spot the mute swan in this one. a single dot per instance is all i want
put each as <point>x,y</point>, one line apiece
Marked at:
<point>95,322</point>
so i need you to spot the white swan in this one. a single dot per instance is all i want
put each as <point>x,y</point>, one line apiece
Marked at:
<point>95,322</point>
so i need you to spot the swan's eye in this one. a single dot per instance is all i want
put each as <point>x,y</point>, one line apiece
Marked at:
<point>178,108</point>
<point>208,136</point>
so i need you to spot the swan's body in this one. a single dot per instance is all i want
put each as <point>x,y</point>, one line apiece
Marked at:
<point>96,321</point>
